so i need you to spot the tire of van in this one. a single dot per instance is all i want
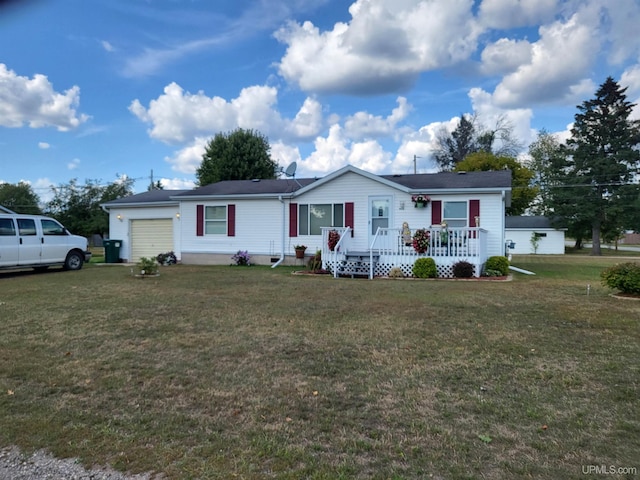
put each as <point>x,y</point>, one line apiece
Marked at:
<point>73,261</point>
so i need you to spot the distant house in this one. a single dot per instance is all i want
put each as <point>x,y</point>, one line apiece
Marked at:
<point>521,229</point>
<point>464,214</point>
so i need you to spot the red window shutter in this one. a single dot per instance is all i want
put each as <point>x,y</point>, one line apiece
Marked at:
<point>293,220</point>
<point>436,212</point>
<point>474,211</point>
<point>348,215</point>
<point>231,220</point>
<point>199,220</point>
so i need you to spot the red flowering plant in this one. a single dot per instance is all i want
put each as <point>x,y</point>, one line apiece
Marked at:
<point>420,199</point>
<point>334,238</point>
<point>421,240</point>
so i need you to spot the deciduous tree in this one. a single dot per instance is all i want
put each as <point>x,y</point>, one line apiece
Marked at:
<point>522,193</point>
<point>20,198</point>
<point>238,155</point>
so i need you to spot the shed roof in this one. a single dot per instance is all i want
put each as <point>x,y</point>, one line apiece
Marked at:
<point>528,222</point>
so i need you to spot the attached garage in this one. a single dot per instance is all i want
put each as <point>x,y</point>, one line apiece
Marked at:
<point>149,237</point>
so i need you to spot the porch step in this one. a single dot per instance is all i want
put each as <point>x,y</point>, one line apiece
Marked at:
<point>357,263</point>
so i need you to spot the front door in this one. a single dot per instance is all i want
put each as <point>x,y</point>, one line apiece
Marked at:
<point>379,214</point>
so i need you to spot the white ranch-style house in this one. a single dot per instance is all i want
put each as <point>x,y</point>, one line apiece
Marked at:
<point>375,216</point>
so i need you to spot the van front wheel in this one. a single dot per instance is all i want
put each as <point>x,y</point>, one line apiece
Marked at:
<point>74,261</point>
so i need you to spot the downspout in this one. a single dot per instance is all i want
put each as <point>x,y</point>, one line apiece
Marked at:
<point>281,259</point>
<point>504,221</point>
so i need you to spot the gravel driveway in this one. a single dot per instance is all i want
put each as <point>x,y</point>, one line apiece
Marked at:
<point>43,466</point>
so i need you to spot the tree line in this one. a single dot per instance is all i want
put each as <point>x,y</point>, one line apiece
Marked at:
<point>588,184</point>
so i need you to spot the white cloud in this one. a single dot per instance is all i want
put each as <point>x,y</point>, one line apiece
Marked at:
<point>631,79</point>
<point>489,114</point>
<point>177,116</point>
<point>505,56</point>
<point>505,14</point>
<point>363,125</point>
<point>43,145</point>
<point>284,154</point>
<point>621,20</point>
<point>369,156</point>
<point>189,158</point>
<point>107,46</point>
<point>177,184</point>
<point>73,164</point>
<point>331,153</point>
<point>34,102</point>
<point>383,49</point>
<point>553,74</point>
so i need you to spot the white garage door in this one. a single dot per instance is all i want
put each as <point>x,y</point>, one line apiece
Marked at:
<point>151,237</point>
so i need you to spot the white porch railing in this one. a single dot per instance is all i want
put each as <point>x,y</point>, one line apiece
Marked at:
<point>393,249</point>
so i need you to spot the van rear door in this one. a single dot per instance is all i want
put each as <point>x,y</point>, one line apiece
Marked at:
<point>30,242</point>
<point>8,243</point>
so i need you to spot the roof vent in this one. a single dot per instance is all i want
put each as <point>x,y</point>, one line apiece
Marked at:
<point>462,172</point>
<point>255,180</point>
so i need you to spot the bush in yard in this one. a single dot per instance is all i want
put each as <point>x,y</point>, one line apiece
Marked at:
<point>396,272</point>
<point>623,276</point>
<point>498,263</point>
<point>425,267</point>
<point>242,257</point>
<point>315,262</point>
<point>147,266</point>
<point>462,269</point>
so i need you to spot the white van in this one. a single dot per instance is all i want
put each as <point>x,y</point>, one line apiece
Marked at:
<point>39,242</point>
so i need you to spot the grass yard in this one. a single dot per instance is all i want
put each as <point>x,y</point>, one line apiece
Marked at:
<point>253,373</point>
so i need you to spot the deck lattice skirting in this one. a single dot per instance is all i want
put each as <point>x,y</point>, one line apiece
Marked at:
<point>389,249</point>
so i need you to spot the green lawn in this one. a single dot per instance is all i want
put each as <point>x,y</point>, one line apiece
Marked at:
<point>252,373</point>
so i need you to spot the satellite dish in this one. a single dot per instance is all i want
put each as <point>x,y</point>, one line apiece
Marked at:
<point>290,171</point>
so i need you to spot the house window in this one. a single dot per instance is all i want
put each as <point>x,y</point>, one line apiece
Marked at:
<point>312,217</point>
<point>455,213</point>
<point>215,220</point>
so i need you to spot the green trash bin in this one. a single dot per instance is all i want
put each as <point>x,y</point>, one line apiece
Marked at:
<point>112,250</point>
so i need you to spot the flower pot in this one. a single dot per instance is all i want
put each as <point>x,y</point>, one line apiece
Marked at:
<point>420,205</point>
<point>300,253</point>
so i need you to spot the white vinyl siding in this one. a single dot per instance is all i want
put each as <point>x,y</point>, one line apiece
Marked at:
<point>151,237</point>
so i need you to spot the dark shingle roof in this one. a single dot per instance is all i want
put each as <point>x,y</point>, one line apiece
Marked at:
<point>152,196</point>
<point>425,182</point>
<point>528,222</point>
<point>453,180</point>
<point>250,187</point>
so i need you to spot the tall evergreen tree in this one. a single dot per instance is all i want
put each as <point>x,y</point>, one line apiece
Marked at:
<point>238,155</point>
<point>601,164</point>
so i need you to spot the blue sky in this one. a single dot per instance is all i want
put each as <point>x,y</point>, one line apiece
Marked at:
<point>104,88</point>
